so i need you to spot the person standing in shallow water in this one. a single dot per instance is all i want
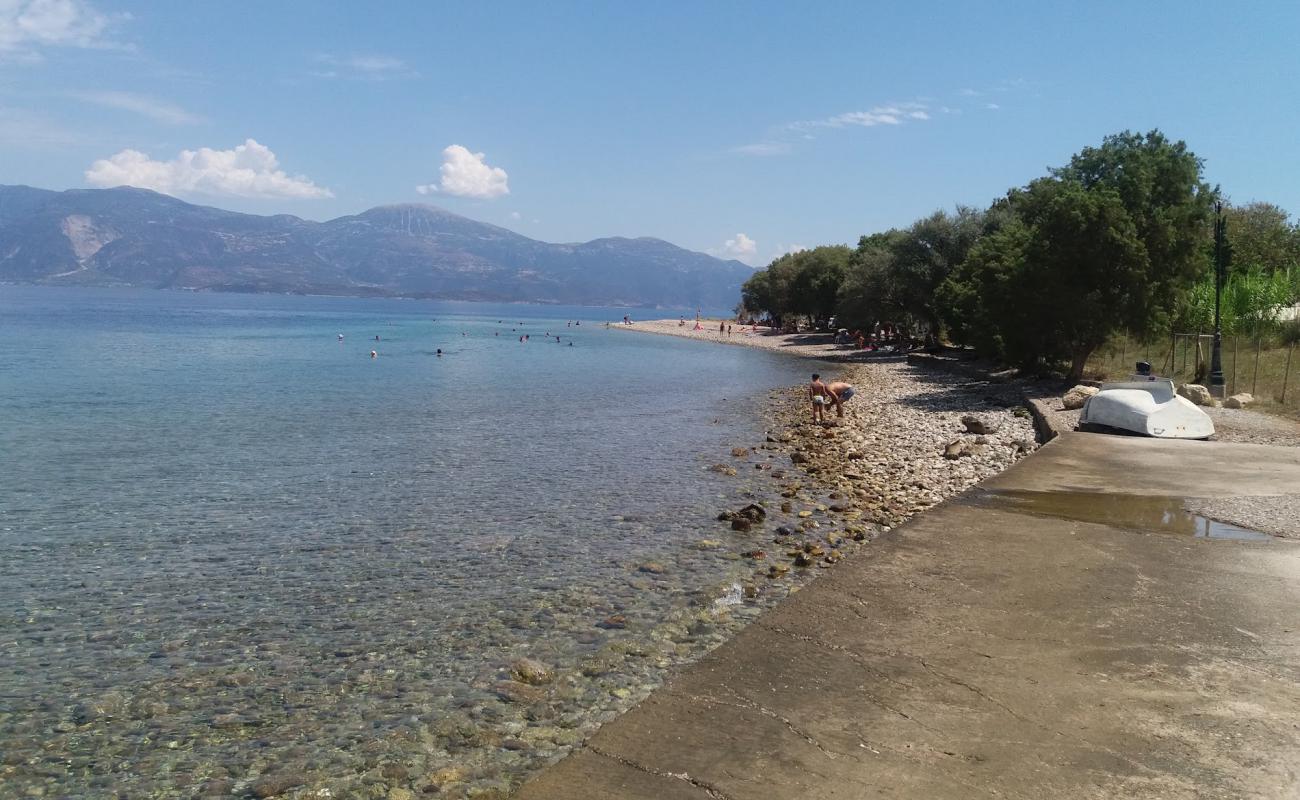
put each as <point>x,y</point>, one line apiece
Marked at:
<point>818,395</point>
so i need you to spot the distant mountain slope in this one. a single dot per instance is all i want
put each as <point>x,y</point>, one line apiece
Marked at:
<point>135,237</point>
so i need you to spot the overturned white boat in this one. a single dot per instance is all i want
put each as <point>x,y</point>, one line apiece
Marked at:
<point>1150,407</point>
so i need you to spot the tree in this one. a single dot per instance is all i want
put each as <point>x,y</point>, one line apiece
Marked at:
<point>1262,237</point>
<point>895,275</point>
<point>802,283</point>
<point>1109,242</point>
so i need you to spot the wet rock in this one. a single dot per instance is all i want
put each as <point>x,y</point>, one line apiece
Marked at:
<point>777,570</point>
<point>785,530</point>
<point>394,772</point>
<point>741,524</point>
<point>804,560</point>
<point>750,591</point>
<point>276,784</point>
<point>798,457</point>
<point>755,554</point>
<point>614,622</point>
<point>787,507</point>
<point>722,469</point>
<point>516,692</point>
<point>218,787</point>
<point>445,777</point>
<point>652,568</point>
<point>708,544</point>
<point>954,449</point>
<point>805,514</point>
<point>532,672</point>
<point>739,452</point>
<point>1076,397</point>
<point>979,423</point>
<point>813,549</point>
<point>840,508</point>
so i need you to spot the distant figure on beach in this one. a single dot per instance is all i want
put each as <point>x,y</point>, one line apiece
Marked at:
<point>374,354</point>
<point>722,328</point>
<point>840,393</point>
<point>728,330</point>
<point>819,395</point>
<point>682,322</point>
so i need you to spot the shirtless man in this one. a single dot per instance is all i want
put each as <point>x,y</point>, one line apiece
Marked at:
<point>840,393</point>
<point>819,395</point>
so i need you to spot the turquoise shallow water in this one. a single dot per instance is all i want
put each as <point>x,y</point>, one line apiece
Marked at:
<point>236,545</point>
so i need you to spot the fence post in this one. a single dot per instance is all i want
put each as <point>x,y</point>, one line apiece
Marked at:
<point>1286,374</point>
<point>1235,339</point>
<point>1254,381</point>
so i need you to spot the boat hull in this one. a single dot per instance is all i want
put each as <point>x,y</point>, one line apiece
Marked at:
<point>1150,408</point>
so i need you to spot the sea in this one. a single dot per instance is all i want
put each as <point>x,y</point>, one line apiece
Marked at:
<point>264,538</point>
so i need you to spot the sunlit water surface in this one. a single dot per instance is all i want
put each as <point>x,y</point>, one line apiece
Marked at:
<point>235,545</point>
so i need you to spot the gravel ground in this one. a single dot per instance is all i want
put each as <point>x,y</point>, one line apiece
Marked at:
<point>1275,514</point>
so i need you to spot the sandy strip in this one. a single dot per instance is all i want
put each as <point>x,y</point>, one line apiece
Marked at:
<point>809,345</point>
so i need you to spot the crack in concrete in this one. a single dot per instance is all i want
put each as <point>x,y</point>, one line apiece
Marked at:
<point>704,786</point>
<point>858,658</point>
<point>860,661</point>
<point>754,705</point>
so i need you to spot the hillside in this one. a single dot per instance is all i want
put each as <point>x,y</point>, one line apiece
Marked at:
<point>135,237</point>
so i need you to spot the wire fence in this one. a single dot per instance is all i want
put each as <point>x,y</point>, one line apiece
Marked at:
<point>1269,371</point>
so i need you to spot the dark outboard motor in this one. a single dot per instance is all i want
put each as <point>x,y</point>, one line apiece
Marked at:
<point>1144,368</point>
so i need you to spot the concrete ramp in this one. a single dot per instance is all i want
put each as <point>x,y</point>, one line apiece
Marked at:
<point>1003,645</point>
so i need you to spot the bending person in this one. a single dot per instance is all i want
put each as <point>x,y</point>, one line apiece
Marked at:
<point>840,393</point>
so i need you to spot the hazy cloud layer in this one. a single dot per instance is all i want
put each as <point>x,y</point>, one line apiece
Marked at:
<point>248,170</point>
<point>372,67</point>
<point>143,105</point>
<point>466,174</point>
<point>27,25</point>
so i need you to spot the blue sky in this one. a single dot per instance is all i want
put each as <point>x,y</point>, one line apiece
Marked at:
<point>738,128</point>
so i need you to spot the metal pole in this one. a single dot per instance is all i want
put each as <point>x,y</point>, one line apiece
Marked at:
<point>1216,352</point>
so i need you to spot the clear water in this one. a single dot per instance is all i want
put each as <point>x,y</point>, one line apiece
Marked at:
<point>234,545</point>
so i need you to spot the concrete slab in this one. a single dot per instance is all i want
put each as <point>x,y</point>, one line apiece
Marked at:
<point>984,652</point>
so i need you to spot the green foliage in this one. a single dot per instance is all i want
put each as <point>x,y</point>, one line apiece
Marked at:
<point>1111,241</point>
<point>894,276</point>
<point>1262,238</point>
<point>1289,333</point>
<point>1249,304</point>
<point>804,283</point>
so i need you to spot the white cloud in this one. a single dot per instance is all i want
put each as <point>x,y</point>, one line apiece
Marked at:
<point>515,215</point>
<point>248,170</point>
<point>992,106</point>
<point>969,93</point>
<point>368,67</point>
<point>25,24</point>
<point>880,115</point>
<point>466,174</point>
<point>787,249</point>
<point>762,149</point>
<point>141,104</point>
<point>741,247</point>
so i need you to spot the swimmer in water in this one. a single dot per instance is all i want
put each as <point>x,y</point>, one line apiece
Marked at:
<point>340,337</point>
<point>376,337</point>
<point>373,354</point>
<point>439,353</point>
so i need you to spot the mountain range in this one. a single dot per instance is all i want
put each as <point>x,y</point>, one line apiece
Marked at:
<point>135,237</point>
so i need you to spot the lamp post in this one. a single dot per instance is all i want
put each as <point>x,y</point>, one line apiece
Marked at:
<point>1216,353</point>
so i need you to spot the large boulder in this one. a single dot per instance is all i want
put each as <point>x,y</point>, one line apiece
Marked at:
<point>1197,393</point>
<point>1239,400</point>
<point>1076,397</point>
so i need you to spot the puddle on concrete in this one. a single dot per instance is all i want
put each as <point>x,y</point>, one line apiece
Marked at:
<point>1149,513</point>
